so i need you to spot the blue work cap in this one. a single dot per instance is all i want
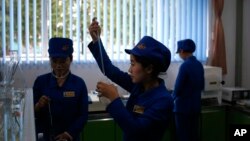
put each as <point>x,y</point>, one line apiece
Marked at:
<point>60,47</point>
<point>152,49</point>
<point>186,45</point>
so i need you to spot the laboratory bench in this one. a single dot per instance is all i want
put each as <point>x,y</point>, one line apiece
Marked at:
<point>214,124</point>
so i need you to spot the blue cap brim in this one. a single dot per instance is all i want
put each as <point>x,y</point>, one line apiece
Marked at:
<point>58,55</point>
<point>130,51</point>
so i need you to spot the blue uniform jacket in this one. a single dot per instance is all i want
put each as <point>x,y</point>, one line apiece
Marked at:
<point>188,86</point>
<point>68,105</point>
<point>147,114</point>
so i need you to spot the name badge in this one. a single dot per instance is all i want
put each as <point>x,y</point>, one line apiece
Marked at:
<point>69,94</point>
<point>138,109</point>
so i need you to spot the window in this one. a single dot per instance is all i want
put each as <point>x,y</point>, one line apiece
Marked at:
<point>27,25</point>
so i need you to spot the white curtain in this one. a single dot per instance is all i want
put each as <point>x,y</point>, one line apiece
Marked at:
<point>27,25</point>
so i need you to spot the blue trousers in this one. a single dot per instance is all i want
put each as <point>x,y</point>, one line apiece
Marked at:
<point>187,126</point>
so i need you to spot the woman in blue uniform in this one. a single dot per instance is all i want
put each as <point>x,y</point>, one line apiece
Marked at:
<point>187,93</point>
<point>149,107</point>
<point>60,97</point>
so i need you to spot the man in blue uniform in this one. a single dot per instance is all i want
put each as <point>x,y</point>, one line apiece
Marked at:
<point>60,97</point>
<point>149,107</point>
<point>187,93</point>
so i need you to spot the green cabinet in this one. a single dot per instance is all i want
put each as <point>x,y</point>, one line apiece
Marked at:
<point>170,132</point>
<point>118,133</point>
<point>213,124</point>
<point>238,117</point>
<point>99,130</point>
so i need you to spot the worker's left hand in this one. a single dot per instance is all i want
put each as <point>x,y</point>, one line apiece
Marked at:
<point>107,90</point>
<point>63,137</point>
<point>94,30</point>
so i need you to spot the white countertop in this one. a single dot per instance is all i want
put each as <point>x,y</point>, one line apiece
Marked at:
<point>96,105</point>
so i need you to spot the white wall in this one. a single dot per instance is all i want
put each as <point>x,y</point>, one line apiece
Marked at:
<point>246,45</point>
<point>89,72</point>
<point>229,23</point>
